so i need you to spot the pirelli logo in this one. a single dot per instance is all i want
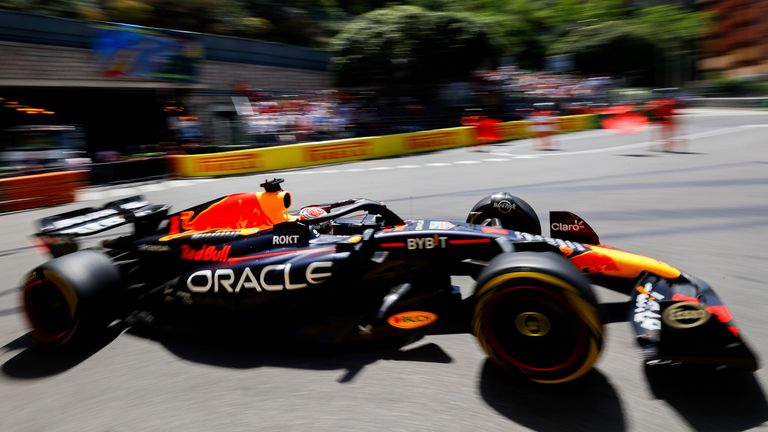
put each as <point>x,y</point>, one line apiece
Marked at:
<point>242,162</point>
<point>431,140</point>
<point>325,152</point>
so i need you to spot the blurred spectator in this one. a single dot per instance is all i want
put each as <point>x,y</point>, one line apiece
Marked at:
<point>664,113</point>
<point>544,125</point>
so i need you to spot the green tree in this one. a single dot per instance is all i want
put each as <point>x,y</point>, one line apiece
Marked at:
<point>678,33</point>
<point>516,27</point>
<point>612,48</point>
<point>409,45</point>
<point>650,46</point>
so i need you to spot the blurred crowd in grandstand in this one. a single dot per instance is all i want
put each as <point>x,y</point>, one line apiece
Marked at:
<point>506,93</point>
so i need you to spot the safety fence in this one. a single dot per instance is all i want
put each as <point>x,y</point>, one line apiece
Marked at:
<point>40,190</point>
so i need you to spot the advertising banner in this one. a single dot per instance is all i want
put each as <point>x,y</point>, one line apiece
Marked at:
<point>437,139</point>
<point>575,123</point>
<point>513,130</point>
<point>129,51</point>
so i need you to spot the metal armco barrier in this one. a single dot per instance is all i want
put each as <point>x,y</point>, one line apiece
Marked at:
<point>40,190</point>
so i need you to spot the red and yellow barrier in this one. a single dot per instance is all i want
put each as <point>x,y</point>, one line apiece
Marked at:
<point>328,152</point>
<point>40,190</point>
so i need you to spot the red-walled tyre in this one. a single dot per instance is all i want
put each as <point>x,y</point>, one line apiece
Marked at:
<point>72,299</point>
<point>537,315</point>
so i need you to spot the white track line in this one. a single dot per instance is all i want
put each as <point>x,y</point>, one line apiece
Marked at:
<point>89,195</point>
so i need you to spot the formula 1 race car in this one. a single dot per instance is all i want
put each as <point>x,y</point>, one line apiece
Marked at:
<point>355,271</point>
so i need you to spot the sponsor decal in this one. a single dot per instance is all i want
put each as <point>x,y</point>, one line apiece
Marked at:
<point>439,225</point>
<point>685,315</point>
<point>285,239</point>
<point>647,307</point>
<point>532,324</point>
<point>504,206</point>
<point>494,230</point>
<point>276,277</point>
<point>577,225</point>
<point>323,152</point>
<point>426,242</point>
<point>153,248</point>
<point>205,253</point>
<point>242,162</point>
<point>412,319</point>
<point>430,140</point>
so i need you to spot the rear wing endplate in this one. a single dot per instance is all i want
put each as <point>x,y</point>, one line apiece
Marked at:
<point>565,225</point>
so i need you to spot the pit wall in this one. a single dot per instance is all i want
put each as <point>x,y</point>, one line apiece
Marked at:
<point>331,152</point>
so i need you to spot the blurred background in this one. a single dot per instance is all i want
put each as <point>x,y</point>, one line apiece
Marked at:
<point>88,82</point>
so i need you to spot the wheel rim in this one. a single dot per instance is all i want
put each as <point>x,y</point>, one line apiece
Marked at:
<point>534,329</point>
<point>50,313</point>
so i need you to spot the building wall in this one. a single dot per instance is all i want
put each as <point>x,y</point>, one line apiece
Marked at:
<point>49,62</point>
<point>738,42</point>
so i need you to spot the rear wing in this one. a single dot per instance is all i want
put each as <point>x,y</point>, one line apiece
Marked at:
<point>58,232</point>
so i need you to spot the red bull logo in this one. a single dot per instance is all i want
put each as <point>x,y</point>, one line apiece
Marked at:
<point>205,253</point>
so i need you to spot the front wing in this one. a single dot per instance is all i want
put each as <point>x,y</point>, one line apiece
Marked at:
<point>683,321</point>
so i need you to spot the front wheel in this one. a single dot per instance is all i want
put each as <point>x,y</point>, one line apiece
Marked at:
<point>537,315</point>
<point>72,299</point>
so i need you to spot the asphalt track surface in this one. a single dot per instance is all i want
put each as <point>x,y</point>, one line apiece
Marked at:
<point>703,208</point>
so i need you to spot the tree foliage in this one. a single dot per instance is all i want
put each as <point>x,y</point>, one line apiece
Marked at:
<point>650,46</point>
<point>611,48</point>
<point>523,30</point>
<point>409,45</point>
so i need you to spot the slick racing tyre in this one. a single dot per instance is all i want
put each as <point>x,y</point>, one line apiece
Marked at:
<point>72,299</point>
<point>507,211</point>
<point>537,315</point>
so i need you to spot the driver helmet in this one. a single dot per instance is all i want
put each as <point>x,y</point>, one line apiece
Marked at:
<point>313,212</point>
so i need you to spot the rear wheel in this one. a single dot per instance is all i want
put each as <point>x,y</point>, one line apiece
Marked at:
<point>536,314</point>
<point>72,299</point>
